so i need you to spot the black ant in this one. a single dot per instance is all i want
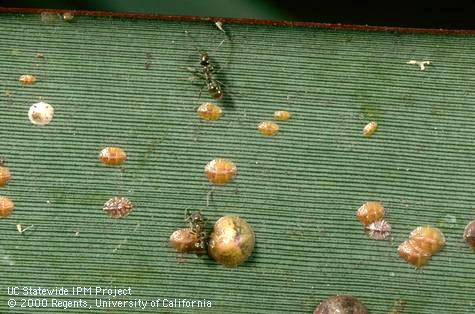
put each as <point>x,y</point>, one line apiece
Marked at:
<point>191,239</point>
<point>197,225</point>
<point>206,72</point>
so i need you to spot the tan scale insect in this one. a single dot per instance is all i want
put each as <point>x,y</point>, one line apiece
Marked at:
<point>184,240</point>
<point>232,241</point>
<point>112,156</point>
<point>209,111</point>
<point>370,212</point>
<point>220,171</point>
<point>5,176</point>
<point>6,206</point>
<point>281,115</point>
<point>370,128</point>
<point>469,234</point>
<point>118,207</point>
<point>27,79</point>
<point>422,244</point>
<point>268,128</point>
<point>341,304</point>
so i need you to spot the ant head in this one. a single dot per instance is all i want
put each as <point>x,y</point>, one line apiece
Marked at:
<point>196,217</point>
<point>204,59</point>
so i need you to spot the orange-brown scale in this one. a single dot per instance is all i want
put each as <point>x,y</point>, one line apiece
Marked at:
<point>112,156</point>
<point>209,111</point>
<point>268,128</point>
<point>220,171</point>
<point>428,239</point>
<point>370,128</point>
<point>412,254</point>
<point>27,79</point>
<point>5,176</point>
<point>469,234</point>
<point>186,241</point>
<point>370,212</point>
<point>281,115</point>
<point>423,242</point>
<point>6,206</point>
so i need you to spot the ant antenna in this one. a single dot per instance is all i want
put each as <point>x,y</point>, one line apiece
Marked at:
<point>195,43</point>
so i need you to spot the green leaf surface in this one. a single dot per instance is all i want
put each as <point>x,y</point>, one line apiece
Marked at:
<point>117,81</point>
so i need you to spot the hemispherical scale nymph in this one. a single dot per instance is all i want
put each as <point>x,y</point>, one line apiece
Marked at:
<point>370,128</point>
<point>219,172</point>
<point>209,111</point>
<point>5,175</point>
<point>371,215</point>
<point>6,206</point>
<point>282,115</point>
<point>27,79</point>
<point>422,244</point>
<point>112,156</point>
<point>268,128</point>
<point>370,212</point>
<point>469,234</point>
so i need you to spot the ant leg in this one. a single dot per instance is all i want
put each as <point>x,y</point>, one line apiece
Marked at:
<point>187,214</point>
<point>180,258</point>
<point>209,196</point>
<point>201,90</point>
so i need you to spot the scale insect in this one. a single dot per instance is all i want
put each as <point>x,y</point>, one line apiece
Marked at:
<point>370,212</point>
<point>422,244</point>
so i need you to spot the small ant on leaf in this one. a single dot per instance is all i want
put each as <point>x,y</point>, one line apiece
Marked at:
<point>191,239</point>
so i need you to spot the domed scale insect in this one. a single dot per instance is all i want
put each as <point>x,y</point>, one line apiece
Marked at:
<point>6,206</point>
<point>112,156</point>
<point>5,174</point>
<point>422,244</point>
<point>341,304</point>
<point>268,128</point>
<point>370,212</point>
<point>469,234</point>
<point>219,172</point>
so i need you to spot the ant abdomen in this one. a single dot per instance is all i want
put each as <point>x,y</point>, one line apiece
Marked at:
<point>214,90</point>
